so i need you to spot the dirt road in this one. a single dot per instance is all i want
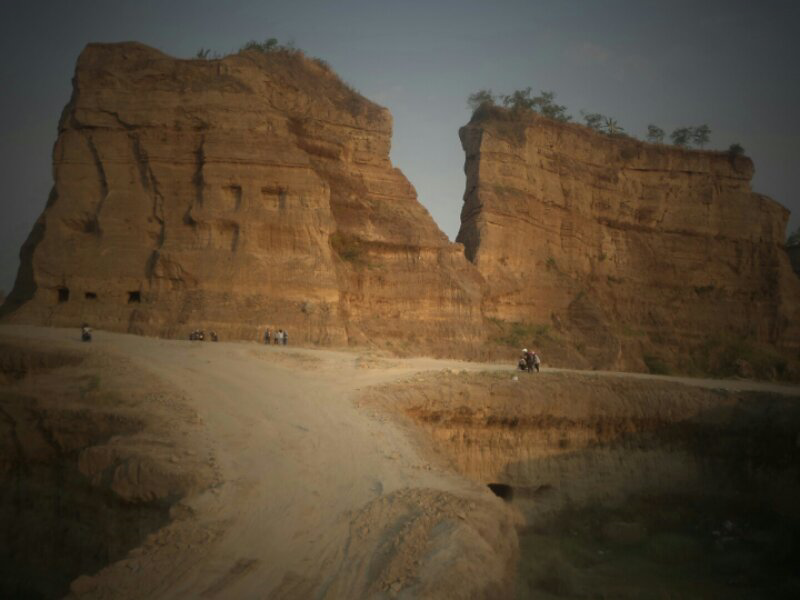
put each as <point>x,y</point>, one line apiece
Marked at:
<point>299,466</point>
<point>316,497</point>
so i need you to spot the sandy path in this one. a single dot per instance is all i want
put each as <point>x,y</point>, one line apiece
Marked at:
<point>298,465</point>
<point>297,462</point>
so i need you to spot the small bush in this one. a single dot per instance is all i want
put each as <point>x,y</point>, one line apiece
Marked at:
<point>268,45</point>
<point>348,247</point>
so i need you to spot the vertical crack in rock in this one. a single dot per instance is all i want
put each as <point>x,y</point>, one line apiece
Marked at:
<point>101,175</point>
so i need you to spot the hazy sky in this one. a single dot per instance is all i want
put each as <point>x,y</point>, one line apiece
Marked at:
<point>728,63</point>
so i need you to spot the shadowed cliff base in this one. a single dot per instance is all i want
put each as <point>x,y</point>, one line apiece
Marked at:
<point>83,483</point>
<point>626,489</point>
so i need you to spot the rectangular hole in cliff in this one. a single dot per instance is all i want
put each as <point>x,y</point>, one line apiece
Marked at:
<point>134,297</point>
<point>271,197</point>
<point>63,294</point>
<point>234,193</point>
<point>90,296</point>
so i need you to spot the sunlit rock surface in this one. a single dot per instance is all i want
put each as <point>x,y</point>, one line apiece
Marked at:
<point>624,249</point>
<point>237,194</point>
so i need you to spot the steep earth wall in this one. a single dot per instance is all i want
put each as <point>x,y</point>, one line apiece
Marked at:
<point>624,482</point>
<point>621,248</point>
<point>90,464</point>
<point>232,195</point>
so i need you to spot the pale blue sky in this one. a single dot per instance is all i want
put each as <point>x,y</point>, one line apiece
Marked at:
<point>730,64</point>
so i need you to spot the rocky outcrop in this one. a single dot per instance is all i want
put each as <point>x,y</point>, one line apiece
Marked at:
<point>256,191</point>
<point>90,464</point>
<point>236,194</point>
<point>632,255</point>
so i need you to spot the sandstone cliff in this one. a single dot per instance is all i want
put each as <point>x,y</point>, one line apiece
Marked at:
<point>621,254</point>
<point>235,194</point>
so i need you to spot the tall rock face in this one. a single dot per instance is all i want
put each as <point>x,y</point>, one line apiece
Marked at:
<point>236,194</point>
<point>632,255</point>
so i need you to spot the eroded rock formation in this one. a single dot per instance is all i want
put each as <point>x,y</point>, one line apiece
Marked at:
<point>89,464</point>
<point>231,195</point>
<point>256,191</point>
<point>628,252</point>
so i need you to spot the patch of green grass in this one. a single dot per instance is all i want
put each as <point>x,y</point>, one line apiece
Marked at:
<point>349,248</point>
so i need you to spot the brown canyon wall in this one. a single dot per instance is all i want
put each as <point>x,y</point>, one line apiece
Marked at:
<point>235,194</point>
<point>257,191</point>
<point>627,252</point>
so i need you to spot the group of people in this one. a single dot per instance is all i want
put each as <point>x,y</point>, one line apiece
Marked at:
<point>200,335</point>
<point>280,337</point>
<point>529,361</point>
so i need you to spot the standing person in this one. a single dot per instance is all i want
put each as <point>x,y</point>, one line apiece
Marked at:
<point>266,337</point>
<point>285,338</point>
<point>536,361</point>
<point>278,336</point>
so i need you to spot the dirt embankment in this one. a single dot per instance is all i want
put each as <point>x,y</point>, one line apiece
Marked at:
<point>89,453</point>
<point>624,469</point>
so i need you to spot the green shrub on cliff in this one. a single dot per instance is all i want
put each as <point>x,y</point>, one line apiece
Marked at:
<point>268,45</point>
<point>594,120</point>
<point>520,102</point>
<point>698,136</point>
<point>735,150</point>
<point>480,98</point>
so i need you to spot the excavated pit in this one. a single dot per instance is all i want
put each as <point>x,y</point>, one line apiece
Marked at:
<point>76,493</point>
<point>627,488</point>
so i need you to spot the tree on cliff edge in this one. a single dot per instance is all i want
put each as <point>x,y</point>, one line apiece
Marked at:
<point>479,98</point>
<point>655,134</point>
<point>544,104</point>
<point>701,135</point>
<point>612,127</point>
<point>681,136</point>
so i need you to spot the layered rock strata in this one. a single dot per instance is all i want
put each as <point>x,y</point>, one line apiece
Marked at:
<point>236,194</point>
<point>630,252</point>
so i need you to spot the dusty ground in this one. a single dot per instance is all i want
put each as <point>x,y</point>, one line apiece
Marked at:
<point>312,497</point>
<point>311,493</point>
